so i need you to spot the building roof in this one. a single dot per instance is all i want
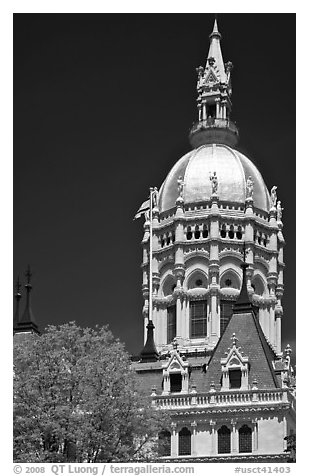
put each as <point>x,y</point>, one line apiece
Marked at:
<point>252,344</point>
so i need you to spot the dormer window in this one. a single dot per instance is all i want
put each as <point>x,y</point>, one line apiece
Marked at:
<point>235,369</point>
<point>175,375</point>
<point>235,378</point>
<point>176,382</point>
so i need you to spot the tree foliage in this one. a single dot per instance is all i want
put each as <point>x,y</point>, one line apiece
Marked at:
<point>76,399</point>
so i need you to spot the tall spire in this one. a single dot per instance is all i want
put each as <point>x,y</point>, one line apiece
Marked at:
<point>18,298</point>
<point>215,52</point>
<point>243,303</point>
<point>149,352</point>
<point>214,103</point>
<point>27,322</point>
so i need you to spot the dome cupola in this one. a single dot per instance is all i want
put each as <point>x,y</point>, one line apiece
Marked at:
<point>214,104</point>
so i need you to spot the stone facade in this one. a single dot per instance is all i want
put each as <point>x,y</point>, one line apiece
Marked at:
<point>217,284</point>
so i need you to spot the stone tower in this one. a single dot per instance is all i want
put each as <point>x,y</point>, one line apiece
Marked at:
<point>212,204</point>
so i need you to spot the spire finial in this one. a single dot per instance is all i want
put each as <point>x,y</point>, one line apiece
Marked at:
<point>149,352</point>
<point>243,303</point>
<point>25,323</point>
<point>28,274</point>
<point>17,287</point>
<point>17,297</point>
<point>215,31</point>
<point>244,252</point>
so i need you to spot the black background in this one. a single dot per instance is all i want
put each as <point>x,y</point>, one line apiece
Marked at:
<point>102,108</point>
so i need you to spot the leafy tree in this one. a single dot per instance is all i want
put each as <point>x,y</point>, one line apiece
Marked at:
<point>76,399</point>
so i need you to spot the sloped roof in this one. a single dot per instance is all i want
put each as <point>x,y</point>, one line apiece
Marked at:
<point>253,345</point>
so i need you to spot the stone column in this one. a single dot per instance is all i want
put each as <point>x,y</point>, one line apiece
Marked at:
<point>199,111</point>
<point>233,436</point>
<point>178,317</point>
<point>213,437</point>
<point>255,435</point>
<point>223,103</point>
<point>204,110</point>
<point>272,324</point>
<point>217,100</point>
<point>214,269</point>
<point>193,438</point>
<point>179,268</point>
<point>187,319</point>
<point>278,332</point>
<point>174,442</point>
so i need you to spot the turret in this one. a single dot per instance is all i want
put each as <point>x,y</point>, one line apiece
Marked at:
<point>214,104</point>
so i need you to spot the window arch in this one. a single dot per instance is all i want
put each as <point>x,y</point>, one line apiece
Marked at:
<point>184,445</point>
<point>224,440</point>
<point>258,285</point>
<point>230,279</point>
<point>164,443</point>
<point>167,287</point>
<point>245,439</point>
<point>197,279</point>
<point>197,232</point>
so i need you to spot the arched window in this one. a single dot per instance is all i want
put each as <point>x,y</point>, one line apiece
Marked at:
<point>164,443</point>
<point>224,440</point>
<point>171,323</point>
<point>198,319</point>
<point>205,231</point>
<point>231,232</point>
<point>184,442</point>
<point>197,232</point>
<point>245,439</point>
<point>223,231</point>
<point>189,233</point>
<point>239,233</point>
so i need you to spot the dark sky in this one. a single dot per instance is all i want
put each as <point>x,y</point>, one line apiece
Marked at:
<point>102,108</point>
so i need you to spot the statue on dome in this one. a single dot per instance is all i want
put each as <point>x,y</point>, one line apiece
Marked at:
<point>279,211</point>
<point>273,196</point>
<point>214,182</point>
<point>249,187</point>
<point>180,184</point>
<point>155,195</point>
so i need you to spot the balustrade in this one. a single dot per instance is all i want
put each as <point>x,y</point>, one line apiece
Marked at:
<point>224,398</point>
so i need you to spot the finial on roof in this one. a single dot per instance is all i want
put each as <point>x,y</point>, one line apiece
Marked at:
<point>243,303</point>
<point>28,274</point>
<point>234,339</point>
<point>215,31</point>
<point>149,352</point>
<point>17,288</point>
<point>27,322</point>
<point>17,297</point>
